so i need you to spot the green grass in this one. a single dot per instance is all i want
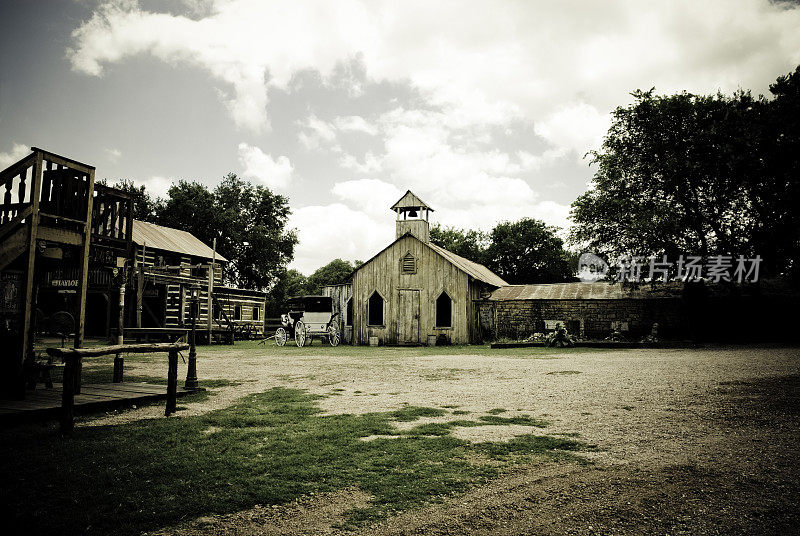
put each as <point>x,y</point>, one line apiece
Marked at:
<point>524,420</point>
<point>269,448</point>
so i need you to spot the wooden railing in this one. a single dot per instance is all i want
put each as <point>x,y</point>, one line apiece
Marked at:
<point>73,357</point>
<point>112,214</point>
<point>63,190</point>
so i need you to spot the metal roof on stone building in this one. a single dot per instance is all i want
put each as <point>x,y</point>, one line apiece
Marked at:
<point>169,239</point>
<point>600,290</point>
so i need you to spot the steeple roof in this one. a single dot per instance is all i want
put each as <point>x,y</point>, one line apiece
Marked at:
<point>410,200</point>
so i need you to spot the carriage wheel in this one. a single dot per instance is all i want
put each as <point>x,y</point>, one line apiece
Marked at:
<point>300,334</point>
<point>280,337</point>
<point>333,336</point>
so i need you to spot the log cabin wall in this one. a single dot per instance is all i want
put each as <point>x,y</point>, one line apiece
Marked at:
<point>175,273</point>
<point>433,274</point>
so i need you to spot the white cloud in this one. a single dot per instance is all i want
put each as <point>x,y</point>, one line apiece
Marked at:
<point>371,196</point>
<point>113,154</point>
<point>18,152</point>
<point>156,185</point>
<point>533,162</point>
<point>355,123</point>
<point>371,164</point>
<point>272,172</point>
<point>317,134</point>
<point>486,64</point>
<point>337,231</point>
<point>578,127</point>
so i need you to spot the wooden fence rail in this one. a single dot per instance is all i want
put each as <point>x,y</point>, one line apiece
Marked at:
<point>73,357</point>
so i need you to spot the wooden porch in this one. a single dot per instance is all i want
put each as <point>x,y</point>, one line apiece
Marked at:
<point>44,404</point>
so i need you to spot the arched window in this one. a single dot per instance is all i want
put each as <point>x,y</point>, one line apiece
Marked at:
<point>444,311</point>
<point>375,310</point>
<point>348,319</point>
<point>408,264</point>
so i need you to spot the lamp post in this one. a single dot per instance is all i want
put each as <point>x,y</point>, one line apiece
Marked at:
<point>191,373</point>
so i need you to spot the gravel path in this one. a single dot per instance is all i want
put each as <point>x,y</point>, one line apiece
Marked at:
<point>690,441</point>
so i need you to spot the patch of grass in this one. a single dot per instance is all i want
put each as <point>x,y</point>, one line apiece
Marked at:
<point>461,412</point>
<point>564,372</point>
<point>530,444</point>
<point>524,420</point>
<point>496,411</point>
<point>439,428</point>
<point>412,413</point>
<point>268,448</point>
<point>627,408</point>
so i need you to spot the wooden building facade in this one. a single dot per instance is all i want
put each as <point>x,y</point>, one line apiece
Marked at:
<point>342,295</point>
<point>51,213</point>
<point>167,263</point>
<point>415,292</point>
<point>70,249</point>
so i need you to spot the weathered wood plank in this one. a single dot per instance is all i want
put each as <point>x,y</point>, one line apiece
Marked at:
<point>113,349</point>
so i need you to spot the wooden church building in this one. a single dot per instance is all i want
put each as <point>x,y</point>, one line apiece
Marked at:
<point>413,291</point>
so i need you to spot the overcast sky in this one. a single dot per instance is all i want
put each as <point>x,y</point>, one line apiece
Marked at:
<point>484,109</point>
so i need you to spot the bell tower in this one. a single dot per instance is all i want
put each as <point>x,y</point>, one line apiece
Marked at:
<point>412,216</point>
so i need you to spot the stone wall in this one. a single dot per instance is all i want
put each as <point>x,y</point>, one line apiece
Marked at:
<point>716,319</point>
<point>587,318</point>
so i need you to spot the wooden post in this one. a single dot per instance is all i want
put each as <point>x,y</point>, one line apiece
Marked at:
<point>140,287</point>
<point>119,362</point>
<point>172,383</point>
<point>118,359</point>
<point>27,330</point>
<point>210,307</point>
<point>68,394</point>
<point>84,270</point>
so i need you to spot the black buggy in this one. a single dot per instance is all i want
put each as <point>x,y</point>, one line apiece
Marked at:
<point>308,316</point>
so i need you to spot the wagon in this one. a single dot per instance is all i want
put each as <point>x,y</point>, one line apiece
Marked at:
<point>308,316</point>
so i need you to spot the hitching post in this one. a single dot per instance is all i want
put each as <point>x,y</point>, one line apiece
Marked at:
<point>191,373</point>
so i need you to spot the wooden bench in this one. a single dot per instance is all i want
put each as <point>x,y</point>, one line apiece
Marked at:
<point>158,334</point>
<point>73,358</point>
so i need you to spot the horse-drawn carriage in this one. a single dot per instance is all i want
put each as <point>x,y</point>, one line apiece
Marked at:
<point>308,316</point>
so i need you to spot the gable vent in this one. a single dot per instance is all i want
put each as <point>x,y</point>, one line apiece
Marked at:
<point>409,264</point>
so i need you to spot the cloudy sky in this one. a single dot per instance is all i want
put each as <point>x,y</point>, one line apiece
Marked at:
<point>484,109</point>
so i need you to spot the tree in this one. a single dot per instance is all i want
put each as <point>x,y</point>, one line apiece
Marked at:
<point>191,207</point>
<point>335,272</point>
<point>528,251</point>
<point>469,244</point>
<point>251,232</point>
<point>249,223</point>
<point>689,174</point>
<point>289,283</point>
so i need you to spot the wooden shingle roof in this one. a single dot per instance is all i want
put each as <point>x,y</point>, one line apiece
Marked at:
<point>169,239</point>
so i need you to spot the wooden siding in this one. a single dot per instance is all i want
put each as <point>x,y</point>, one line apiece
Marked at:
<point>177,282</point>
<point>434,275</point>
<point>340,294</point>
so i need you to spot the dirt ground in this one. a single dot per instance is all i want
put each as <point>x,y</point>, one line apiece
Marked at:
<point>689,441</point>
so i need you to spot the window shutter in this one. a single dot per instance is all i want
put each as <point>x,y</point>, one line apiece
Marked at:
<point>409,264</point>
